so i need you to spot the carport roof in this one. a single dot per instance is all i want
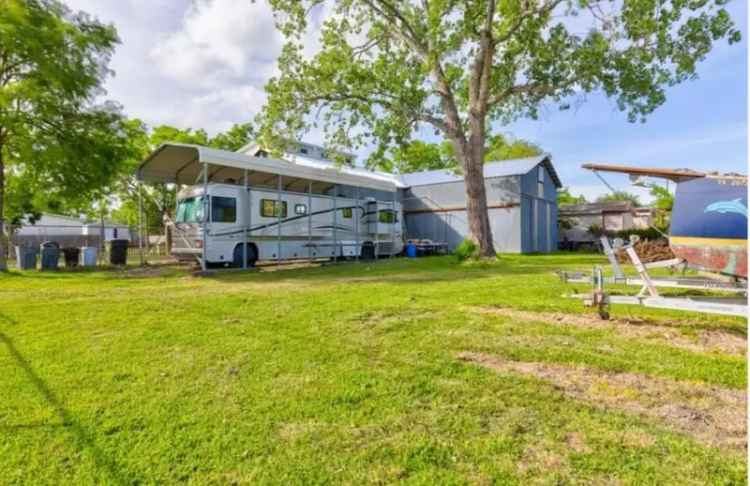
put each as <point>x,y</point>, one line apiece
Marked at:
<point>502,168</point>
<point>181,164</point>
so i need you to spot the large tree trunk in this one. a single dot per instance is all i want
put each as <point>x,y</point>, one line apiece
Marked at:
<point>472,161</point>
<point>476,207</point>
<point>3,244</point>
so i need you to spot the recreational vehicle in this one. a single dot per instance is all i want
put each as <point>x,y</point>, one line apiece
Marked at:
<point>301,208</point>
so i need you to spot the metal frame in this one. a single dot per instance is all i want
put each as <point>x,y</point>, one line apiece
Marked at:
<point>645,281</point>
<point>249,206</point>
<point>278,219</point>
<point>309,219</point>
<point>335,223</point>
<point>598,298</point>
<point>393,226</point>
<point>140,224</point>
<point>357,217</point>
<point>206,216</point>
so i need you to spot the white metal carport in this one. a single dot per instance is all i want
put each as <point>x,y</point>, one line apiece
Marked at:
<point>187,164</point>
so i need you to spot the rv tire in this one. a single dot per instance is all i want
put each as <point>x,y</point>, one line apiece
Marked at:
<point>252,256</point>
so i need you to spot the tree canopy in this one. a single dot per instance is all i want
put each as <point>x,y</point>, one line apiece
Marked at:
<point>57,145</point>
<point>417,155</point>
<point>384,69</point>
<point>565,197</point>
<point>620,196</point>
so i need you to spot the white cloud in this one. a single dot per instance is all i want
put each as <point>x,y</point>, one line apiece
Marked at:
<point>199,64</point>
<point>220,41</point>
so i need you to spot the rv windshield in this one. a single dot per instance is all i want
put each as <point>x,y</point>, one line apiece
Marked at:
<point>190,210</point>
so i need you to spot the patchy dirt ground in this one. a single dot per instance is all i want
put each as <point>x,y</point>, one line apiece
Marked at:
<point>711,414</point>
<point>704,341</point>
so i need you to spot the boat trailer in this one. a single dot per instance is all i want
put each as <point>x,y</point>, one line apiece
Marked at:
<point>649,296</point>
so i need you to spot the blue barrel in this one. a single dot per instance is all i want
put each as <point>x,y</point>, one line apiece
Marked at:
<point>411,250</point>
<point>88,256</point>
<point>25,258</point>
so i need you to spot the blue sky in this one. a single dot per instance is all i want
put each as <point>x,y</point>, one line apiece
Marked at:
<point>203,64</point>
<point>702,125</point>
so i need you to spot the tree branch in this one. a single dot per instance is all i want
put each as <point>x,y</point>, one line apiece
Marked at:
<point>392,105</point>
<point>532,89</point>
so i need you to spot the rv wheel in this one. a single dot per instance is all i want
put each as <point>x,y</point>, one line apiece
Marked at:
<point>252,256</point>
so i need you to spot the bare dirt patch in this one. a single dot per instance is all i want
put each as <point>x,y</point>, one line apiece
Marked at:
<point>711,414</point>
<point>705,340</point>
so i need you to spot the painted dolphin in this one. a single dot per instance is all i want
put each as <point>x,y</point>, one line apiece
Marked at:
<point>734,206</point>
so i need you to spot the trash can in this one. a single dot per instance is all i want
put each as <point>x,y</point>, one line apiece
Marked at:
<point>50,255</point>
<point>71,256</point>
<point>25,258</point>
<point>411,250</point>
<point>118,252</point>
<point>88,256</point>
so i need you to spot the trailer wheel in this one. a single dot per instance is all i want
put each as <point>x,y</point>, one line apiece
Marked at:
<point>368,251</point>
<point>252,256</point>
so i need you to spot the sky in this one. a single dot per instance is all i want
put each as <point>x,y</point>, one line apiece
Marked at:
<point>203,64</point>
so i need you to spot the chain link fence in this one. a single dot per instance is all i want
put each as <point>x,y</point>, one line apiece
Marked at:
<point>152,246</point>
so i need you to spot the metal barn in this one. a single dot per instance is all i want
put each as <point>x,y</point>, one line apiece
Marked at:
<point>521,199</point>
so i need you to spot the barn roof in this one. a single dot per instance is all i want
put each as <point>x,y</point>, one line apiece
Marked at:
<point>504,168</point>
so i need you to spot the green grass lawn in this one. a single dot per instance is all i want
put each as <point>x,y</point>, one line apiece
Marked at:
<point>346,373</point>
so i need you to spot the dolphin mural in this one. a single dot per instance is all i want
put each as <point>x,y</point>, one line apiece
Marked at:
<point>733,206</point>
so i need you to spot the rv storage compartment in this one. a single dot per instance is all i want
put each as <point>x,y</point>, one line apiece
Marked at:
<point>50,255</point>
<point>71,256</point>
<point>118,252</point>
<point>88,256</point>
<point>25,258</point>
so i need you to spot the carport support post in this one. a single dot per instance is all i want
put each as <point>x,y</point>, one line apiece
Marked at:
<point>309,219</point>
<point>278,219</point>
<point>335,222</point>
<point>356,215</point>
<point>140,222</point>
<point>205,216</point>
<point>244,224</point>
<point>393,225</point>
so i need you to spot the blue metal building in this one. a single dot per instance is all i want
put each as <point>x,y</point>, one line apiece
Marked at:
<point>521,200</point>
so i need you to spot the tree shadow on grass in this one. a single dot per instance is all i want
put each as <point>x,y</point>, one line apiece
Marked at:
<point>82,437</point>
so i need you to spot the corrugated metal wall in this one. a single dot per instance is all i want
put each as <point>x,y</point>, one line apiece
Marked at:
<point>539,212</point>
<point>523,213</point>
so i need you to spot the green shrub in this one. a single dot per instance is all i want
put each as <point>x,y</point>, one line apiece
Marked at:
<point>467,249</point>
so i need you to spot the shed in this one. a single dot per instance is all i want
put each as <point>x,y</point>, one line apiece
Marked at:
<point>67,231</point>
<point>608,216</point>
<point>521,201</point>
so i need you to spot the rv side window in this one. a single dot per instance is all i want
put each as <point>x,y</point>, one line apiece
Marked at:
<point>386,216</point>
<point>223,209</point>
<point>346,213</point>
<point>271,208</point>
<point>300,209</point>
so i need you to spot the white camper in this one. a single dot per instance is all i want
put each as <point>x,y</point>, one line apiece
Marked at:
<point>301,208</point>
